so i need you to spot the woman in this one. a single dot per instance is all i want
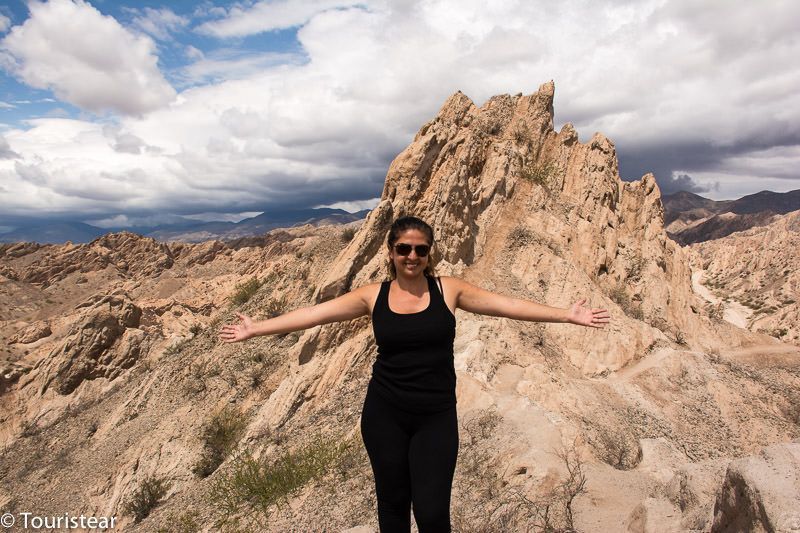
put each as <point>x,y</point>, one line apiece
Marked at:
<point>408,422</point>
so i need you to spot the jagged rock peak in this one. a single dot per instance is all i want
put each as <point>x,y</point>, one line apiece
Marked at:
<point>485,177</point>
<point>463,167</point>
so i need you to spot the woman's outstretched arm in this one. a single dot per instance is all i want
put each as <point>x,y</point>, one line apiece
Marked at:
<point>476,300</point>
<point>346,307</point>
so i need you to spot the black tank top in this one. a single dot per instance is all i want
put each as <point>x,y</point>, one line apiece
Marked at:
<point>414,369</point>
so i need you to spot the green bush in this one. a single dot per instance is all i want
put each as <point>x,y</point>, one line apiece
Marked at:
<point>220,437</point>
<point>348,234</point>
<point>261,484</point>
<point>145,498</point>
<point>244,291</point>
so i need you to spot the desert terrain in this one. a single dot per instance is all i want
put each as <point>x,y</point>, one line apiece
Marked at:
<point>683,414</point>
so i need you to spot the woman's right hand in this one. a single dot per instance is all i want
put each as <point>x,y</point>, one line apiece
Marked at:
<point>237,332</point>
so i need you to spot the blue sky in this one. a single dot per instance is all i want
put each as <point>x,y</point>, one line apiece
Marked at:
<point>126,113</point>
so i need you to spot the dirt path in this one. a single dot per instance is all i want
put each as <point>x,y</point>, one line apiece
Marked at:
<point>733,312</point>
<point>769,355</point>
<point>646,362</point>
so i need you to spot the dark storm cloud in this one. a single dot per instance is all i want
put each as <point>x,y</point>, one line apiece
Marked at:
<point>673,161</point>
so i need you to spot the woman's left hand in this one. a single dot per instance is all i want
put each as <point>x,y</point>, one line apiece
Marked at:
<point>584,316</point>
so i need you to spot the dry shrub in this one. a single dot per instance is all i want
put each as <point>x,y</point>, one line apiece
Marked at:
<point>551,510</point>
<point>187,522</point>
<point>220,436</point>
<point>503,507</point>
<point>488,503</point>
<point>542,173</point>
<point>617,448</point>
<point>275,307</point>
<point>145,498</point>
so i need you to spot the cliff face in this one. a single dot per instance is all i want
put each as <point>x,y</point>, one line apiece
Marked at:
<point>120,376</point>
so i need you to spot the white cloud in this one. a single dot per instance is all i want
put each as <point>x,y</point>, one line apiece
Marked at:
<point>225,65</point>
<point>353,207</point>
<point>193,53</point>
<point>268,16</point>
<point>5,23</point>
<point>57,112</point>
<point>160,23</point>
<point>6,105</point>
<point>654,78</point>
<point>91,62</point>
<point>134,221</point>
<point>223,217</point>
<point>5,150</point>
<point>123,141</point>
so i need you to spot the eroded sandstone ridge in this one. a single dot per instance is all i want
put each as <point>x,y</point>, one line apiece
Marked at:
<point>632,427</point>
<point>756,275</point>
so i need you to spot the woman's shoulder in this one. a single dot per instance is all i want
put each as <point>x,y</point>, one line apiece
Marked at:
<point>370,287</point>
<point>450,282</point>
<point>369,291</point>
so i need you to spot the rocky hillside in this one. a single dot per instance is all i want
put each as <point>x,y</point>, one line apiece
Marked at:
<point>757,273</point>
<point>669,419</point>
<point>690,218</point>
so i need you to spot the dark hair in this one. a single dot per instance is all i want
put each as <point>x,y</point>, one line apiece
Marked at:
<point>403,224</point>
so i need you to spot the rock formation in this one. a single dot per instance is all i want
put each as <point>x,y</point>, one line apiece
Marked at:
<point>105,341</point>
<point>761,493</point>
<point>32,333</point>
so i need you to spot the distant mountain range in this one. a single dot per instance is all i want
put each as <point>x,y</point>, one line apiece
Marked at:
<point>690,218</point>
<point>185,230</point>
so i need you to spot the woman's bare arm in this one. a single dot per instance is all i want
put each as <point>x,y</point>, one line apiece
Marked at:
<point>352,305</point>
<point>477,300</point>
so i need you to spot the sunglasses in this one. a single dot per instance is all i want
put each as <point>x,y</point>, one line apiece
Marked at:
<point>405,249</point>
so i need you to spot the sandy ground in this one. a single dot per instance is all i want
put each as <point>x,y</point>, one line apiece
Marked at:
<point>734,312</point>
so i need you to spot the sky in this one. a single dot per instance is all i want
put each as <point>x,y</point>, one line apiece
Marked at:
<point>132,113</point>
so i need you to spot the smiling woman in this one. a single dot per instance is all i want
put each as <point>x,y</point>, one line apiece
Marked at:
<point>409,423</point>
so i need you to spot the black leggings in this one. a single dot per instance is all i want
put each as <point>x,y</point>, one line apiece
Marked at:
<point>413,459</point>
